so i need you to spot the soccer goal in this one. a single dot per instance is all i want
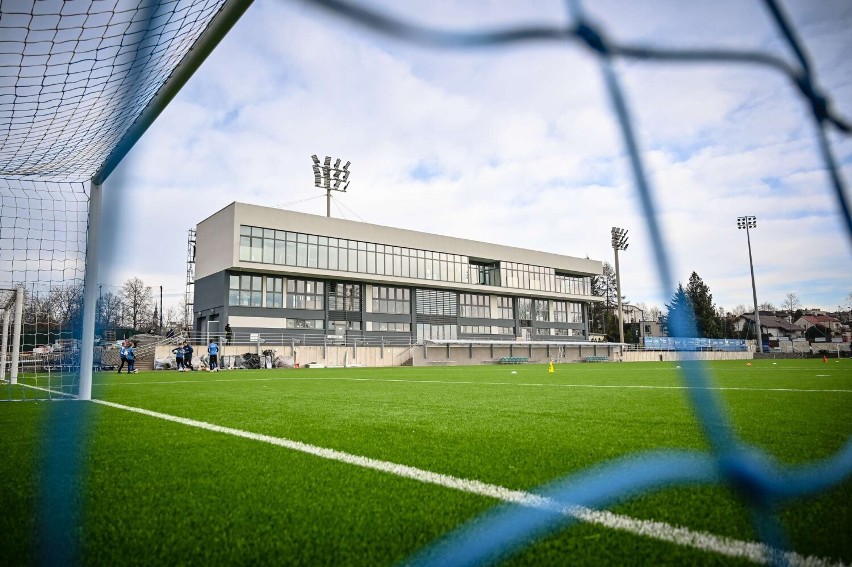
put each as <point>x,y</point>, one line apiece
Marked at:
<point>70,117</point>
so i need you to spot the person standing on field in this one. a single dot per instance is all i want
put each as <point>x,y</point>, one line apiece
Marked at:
<point>213,351</point>
<point>131,359</point>
<point>179,357</point>
<point>187,356</point>
<point>122,353</point>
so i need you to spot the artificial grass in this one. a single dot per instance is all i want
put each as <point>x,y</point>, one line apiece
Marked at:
<point>160,492</point>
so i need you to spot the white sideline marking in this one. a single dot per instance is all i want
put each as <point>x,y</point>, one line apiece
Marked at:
<point>752,551</point>
<point>469,382</point>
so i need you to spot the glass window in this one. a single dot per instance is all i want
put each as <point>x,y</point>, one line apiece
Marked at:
<point>256,249</point>
<point>303,294</point>
<point>344,297</point>
<point>245,230</point>
<point>274,292</point>
<point>474,305</point>
<point>268,250</point>
<point>280,252</point>
<point>291,253</point>
<point>245,290</point>
<point>245,248</point>
<point>394,300</point>
<point>304,323</point>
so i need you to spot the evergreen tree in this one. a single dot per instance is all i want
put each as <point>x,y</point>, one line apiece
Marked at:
<point>680,308</point>
<point>706,317</point>
<point>604,315</point>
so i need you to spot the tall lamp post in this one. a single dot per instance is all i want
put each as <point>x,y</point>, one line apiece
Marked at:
<point>619,242</point>
<point>330,178</point>
<point>748,223</point>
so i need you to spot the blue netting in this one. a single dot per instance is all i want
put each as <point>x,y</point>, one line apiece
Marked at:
<point>763,484</point>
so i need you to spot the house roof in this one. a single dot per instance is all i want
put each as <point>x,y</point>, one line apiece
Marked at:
<point>818,319</point>
<point>774,322</point>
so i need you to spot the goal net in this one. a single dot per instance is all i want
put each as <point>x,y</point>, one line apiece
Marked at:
<point>43,227</point>
<point>80,82</point>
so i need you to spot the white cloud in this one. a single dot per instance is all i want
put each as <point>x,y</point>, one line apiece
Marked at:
<point>519,142</point>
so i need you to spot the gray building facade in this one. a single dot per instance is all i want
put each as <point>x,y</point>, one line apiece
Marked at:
<point>266,270</point>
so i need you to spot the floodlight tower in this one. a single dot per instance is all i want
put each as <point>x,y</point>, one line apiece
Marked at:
<point>330,178</point>
<point>619,242</point>
<point>747,223</point>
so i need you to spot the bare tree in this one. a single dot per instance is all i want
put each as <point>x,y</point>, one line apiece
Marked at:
<point>137,301</point>
<point>65,304</point>
<point>791,302</point>
<point>652,313</point>
<point>739,310</point>
<point>766,306</point>
<point>110,309</point>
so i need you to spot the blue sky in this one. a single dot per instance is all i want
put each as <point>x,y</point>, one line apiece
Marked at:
<point>514,145</point>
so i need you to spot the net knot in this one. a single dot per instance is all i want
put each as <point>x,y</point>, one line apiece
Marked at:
<point>819,103</point>
<point>593,38</point>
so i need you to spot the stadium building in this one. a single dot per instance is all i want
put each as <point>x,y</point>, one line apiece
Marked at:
<point>268,271</point>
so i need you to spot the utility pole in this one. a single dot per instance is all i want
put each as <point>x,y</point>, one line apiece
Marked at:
<point>161,310</point>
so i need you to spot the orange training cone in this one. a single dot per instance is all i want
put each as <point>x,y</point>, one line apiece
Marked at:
<point>824,359</point>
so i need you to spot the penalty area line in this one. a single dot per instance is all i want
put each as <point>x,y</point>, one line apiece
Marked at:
<point>752,551</point>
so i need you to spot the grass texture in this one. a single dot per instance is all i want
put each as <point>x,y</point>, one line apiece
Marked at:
<point>142,490</point>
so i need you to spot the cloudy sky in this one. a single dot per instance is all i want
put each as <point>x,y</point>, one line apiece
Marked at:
<point>513,145</point>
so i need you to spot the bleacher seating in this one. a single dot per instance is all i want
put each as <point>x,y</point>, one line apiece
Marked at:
<point>514,360</point>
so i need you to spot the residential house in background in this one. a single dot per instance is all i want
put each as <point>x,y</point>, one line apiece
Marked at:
<point>827,321</point>
<point>772,325</point>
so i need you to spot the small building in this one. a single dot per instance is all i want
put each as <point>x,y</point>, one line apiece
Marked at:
<point>775,327</point>
<point>266,270</point>
<point>805,322</point>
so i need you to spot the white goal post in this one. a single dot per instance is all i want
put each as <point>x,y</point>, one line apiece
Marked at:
<point>12,301</point>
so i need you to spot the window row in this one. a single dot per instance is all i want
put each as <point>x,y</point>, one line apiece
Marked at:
<point>390,327</point>
<point>287,248</point>
<point>486,330</point>
<point>393,300</point>
<point>474,305</point>
<point>268,291</point>
<point>310,251</point>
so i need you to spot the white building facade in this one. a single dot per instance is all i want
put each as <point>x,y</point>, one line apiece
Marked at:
<point>266,270</point>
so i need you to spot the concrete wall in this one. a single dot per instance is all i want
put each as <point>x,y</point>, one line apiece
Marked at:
<point>674,356</point>
<point>459,355</point>
<point>333,355</point>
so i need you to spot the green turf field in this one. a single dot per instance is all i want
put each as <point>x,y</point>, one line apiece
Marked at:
<point>156,491</point>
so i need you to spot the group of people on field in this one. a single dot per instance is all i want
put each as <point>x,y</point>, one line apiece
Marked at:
<point>127,354</point>
<point>183,356</point>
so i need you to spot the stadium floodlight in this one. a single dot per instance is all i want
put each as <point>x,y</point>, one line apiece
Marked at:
<point>619,242</point>
<point>747,223</point>
<point>330,177</point>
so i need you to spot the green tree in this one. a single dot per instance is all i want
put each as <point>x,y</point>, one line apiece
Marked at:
<point>706,316</point>
<point>604,315</point>
<point>679,308</point>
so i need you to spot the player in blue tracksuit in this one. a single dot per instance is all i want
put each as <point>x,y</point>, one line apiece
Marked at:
<point>122,353</point>
<point>213,351</point>
<point>187,356</point>
<point>179,357</point>
<point>131,359</point>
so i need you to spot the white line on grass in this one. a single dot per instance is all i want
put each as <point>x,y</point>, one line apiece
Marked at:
<point>470,382</point>
<point>752,551</point>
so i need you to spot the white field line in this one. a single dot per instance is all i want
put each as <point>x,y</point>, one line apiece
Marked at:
<point>48,390</point>
<point>752,551</point>
<point>469,382</point>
